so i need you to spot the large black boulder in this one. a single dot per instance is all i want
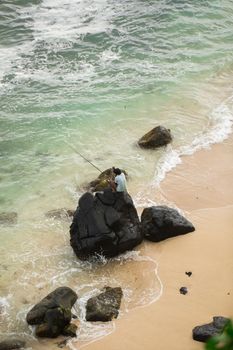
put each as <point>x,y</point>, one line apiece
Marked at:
<point>53,313</point>
<point>104,307</point>
<point>106,223</point>
<point>161,222</point>
<point>157,137</point>
<point>206,331</point>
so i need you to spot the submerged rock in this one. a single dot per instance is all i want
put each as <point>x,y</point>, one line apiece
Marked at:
<point>53,313</point>
<point>105,224</point>
<point>105,306</point>
<point>62,213</point>
<point>157,137</point>
<point>206,331</point>
<point>162,222</point>
<point>10,344</point>
<point>8,218</point>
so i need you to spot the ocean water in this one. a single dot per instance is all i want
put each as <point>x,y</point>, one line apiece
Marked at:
<point>97,75</point>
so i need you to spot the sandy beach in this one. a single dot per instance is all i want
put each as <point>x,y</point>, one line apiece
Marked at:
<point>201,187</point>
<point>205,194</point>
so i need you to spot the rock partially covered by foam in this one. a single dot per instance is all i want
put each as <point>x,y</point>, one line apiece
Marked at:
<point>161,222</point>
<point>157,137</point>
<point>105,306</point>
<point>53,313</point>
<point>13,343</point>
<point>62,213</point>
<point>206,331</point>
<point>105,224</point>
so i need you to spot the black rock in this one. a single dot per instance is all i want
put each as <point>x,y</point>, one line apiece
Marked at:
<point>157,137</point>
<point>53,313</point>
<point>106,224</point>
<point>105,306</point>
<point>10,344</point>
<point>161,222</point>
<point>183,290</point>
<point>206,331</point>
<point>188,273</point>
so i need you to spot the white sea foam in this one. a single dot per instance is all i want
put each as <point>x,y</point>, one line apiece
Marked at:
<point>59,19</point>
<point>90,333</point>
<point>8,57</point>
<point>5,305</point>
<point>55,26</point>
<point>108,56</point>
<point>217,130</point>
<point>150,294</point>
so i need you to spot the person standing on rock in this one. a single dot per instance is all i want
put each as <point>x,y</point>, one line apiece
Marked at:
<point>119,182</point>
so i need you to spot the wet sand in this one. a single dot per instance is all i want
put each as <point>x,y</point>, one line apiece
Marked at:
<point>202,187</point>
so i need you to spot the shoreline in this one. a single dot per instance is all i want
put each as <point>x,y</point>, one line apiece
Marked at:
<point>202,190</point>
<point>206,197</point>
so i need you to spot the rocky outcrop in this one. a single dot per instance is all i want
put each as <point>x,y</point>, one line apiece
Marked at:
<point>206,331</point>
<point>105,224</point>
<point>53,313</point>
<point>105,306</point>
<point>10,344</point>
<point>102,181</point>
<point>8,218</point>
<point>161,222</point>
<point>62,213</point>
<point>157,137</point>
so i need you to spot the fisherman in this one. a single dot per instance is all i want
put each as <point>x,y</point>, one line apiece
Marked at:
<point>119,182</point>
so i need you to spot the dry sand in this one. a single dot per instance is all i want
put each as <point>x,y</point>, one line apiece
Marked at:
<point>202,187</point>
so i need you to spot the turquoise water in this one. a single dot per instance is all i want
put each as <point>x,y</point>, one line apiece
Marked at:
<point>98,75</point>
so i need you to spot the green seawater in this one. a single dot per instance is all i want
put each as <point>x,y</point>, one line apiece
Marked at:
<point>97,75</point>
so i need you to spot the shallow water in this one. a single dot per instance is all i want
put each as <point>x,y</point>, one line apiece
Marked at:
<point>97,75</point>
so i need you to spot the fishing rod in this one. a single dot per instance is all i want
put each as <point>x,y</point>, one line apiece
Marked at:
<point>87,160</point>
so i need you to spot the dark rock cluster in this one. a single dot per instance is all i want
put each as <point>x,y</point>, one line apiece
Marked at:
<point>107,224</point>
<point>52,315</point>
